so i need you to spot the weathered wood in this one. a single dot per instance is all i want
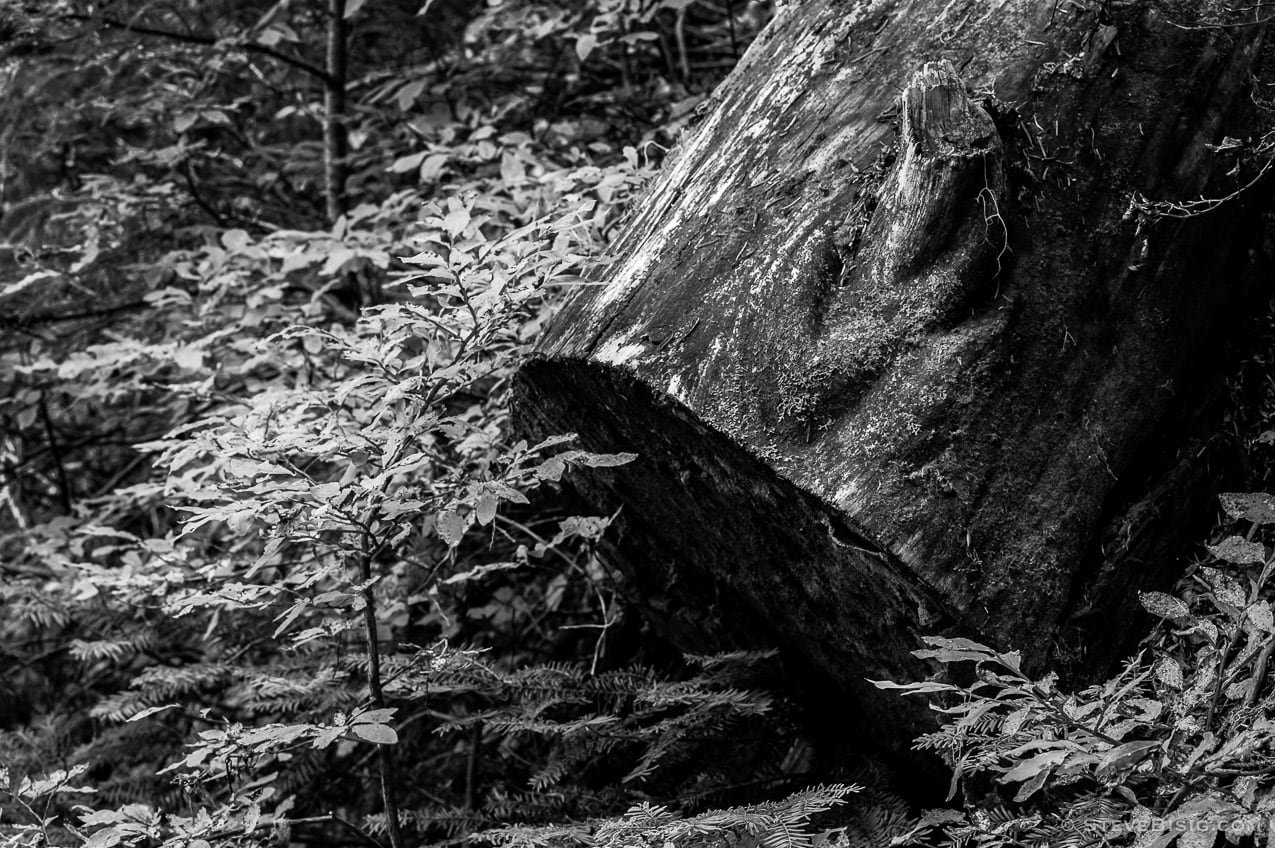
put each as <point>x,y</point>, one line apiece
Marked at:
<point>885,381</point>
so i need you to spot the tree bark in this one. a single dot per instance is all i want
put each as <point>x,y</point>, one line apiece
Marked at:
<point>895,363</point>
<point>336,146</point>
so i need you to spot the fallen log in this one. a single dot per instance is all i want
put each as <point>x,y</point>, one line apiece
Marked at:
<point>898,327</point>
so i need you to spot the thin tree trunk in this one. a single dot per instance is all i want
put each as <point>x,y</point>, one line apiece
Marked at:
<point>387,772</point>
<point>335,138</point>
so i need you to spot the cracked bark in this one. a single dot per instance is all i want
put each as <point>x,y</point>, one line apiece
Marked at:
<point>931,389</point>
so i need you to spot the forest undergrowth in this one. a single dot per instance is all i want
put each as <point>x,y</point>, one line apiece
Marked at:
<point>275,570</point>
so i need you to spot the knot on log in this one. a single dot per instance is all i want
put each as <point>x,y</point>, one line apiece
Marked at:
<point>945,193</point>
<point>939,118</point>
<point>931,250</point>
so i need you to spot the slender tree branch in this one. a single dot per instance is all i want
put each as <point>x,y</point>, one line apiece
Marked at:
<point>471,766</point>
<point>52,318</point>
<point>206,40</point>
<point>385,754</point>
<point>63,483</point>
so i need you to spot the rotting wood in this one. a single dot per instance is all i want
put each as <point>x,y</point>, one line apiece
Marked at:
<point>950,349</point>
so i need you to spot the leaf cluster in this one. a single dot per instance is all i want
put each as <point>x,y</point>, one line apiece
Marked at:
<point>1178,746</point>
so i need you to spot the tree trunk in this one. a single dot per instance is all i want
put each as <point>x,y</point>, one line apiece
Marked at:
<point>895,364</point>
<point>336,146</point>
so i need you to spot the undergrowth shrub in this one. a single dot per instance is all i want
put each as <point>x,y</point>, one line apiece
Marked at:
<point>274,566</point>
<point>1178,747</point>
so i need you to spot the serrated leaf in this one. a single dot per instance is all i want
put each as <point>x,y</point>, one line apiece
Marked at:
<point>381,734</point>
<point>1165,606</point>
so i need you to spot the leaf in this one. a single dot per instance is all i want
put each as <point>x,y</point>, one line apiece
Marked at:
<point>338,258</point>
<point>189,358</point>
<point>451,527</point>
<point>947,655</point>
<point>150,711</point>
<point>481,570</point>
<point>954,650</point>
<point>585,45</point>
<point>1169,672</point>
<point>235,240</point>
<point>1030,768</point>
<point>512,171</point>
<point>1165,606</point>
<point>1014,721</point>
<point>456,221</point>
<point>381,734</point>
<point>1125,756</point>
<point>913,688</point>
<point>958,644</point>
<point>551,469</point>
<point>1032,786</point>
<point>1225,588</point>
<point>105,838</point>
<point>403,164</point>
<point>1260,614</point>
<point>1257,507</point>
<point>604,460</point>
<point>1238,551</point>
<point>408,94</point>
<point>433,166</point>
<point>352,7</point>
<point>486,509</point>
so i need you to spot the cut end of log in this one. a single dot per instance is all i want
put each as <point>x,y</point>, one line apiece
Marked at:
<point>725,553</point>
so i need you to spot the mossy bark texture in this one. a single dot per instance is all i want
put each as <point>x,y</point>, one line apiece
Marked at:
<point>891,341</point>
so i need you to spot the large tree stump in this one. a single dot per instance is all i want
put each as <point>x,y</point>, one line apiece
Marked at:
<point>895,362</point>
